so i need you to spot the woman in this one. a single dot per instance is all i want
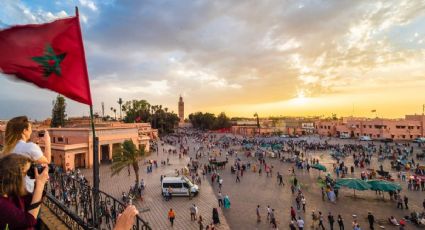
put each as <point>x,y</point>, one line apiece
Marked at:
<point>216,219</point>
<point>18,209</point>
<point>226,202</point>
<point>18,133</point>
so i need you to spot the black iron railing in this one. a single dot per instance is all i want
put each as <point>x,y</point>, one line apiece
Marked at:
<point>73,201</point>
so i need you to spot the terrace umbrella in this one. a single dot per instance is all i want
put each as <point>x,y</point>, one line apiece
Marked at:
<point>382,185</point>
<point>353,183</point>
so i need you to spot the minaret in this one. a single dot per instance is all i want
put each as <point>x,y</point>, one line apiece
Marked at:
<point>181,109</point>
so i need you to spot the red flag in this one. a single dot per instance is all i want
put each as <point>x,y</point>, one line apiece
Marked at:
<point>50,55</point>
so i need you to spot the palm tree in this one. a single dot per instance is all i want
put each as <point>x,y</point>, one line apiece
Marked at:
<point>127,155</point>
<point>120,103</point>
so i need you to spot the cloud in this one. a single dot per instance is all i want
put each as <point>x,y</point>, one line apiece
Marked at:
<point>89,4</point>
<point>241,52</point>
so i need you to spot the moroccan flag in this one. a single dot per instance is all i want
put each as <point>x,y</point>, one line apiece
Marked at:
<point>50,55</point>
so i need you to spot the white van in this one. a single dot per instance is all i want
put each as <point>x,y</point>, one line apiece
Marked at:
<point>179,185</point>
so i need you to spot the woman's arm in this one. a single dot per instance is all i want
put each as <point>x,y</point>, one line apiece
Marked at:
<point>47,147</point>
<point>40,181</point>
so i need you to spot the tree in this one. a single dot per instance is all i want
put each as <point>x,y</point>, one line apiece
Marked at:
<point>127,155</point>
<point>58,112</point>
<point>209,121</point>
<point>115,112</point>
<point>120,103</point>
<point>159,117</point>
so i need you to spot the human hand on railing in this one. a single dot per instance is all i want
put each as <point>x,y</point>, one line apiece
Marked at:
<point>125,220</point>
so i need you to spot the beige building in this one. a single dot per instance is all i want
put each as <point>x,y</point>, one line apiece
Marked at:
<point>409,128</point>
<point>288,126</point>
<point>72,147</point>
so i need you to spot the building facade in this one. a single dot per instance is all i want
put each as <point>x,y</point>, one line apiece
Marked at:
<point>409,128</point>
<point>72,147</point>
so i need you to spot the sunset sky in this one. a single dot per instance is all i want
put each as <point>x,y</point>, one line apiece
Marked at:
<point>273,57</point>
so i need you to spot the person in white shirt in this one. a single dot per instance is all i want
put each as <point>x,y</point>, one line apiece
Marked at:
<point>300,223</point>
<point>18,133</point>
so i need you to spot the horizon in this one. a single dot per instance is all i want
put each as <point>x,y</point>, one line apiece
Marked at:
<point>296,58</point>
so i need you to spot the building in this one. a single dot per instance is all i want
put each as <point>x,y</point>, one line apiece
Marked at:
<point>409,128</point>
<point>287,125</point>
<point>181,109</point>
<point>72,147</point>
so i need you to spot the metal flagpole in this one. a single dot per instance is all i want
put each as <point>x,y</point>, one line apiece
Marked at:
<point>95,148</point>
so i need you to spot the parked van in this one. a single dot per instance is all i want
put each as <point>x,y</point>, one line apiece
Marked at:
<point>344,135</point>
<point>365,138</point>
<point>179,185</point>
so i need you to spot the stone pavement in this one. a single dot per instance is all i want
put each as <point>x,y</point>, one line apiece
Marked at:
<point>154,209</point>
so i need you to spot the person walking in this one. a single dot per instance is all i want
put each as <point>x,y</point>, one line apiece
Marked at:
<point>273,219</point>
<point>258,214</point>
<point>201,224</point>
<point>399,202</point>
<point>321,221</point>
<point>340,222</point>
<point>303,202</point>
<point>269,210</point>
<point>406,201</point>
<point>220,199</point>
<point>226,202</point>
<point>216,219</point>
<point>331,220</point>
<point>171,216</point>
<point>300,223</point>
<point>371,220</point>
<point>293,214</point>
<point>192,212</point>
<point>314,220</point>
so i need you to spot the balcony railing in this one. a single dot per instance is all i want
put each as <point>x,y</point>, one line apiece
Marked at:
<point>72,200</point>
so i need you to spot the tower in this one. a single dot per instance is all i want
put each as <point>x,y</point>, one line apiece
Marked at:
<point>181,109</point>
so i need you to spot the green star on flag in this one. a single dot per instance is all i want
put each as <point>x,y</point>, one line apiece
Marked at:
<point>50,62</point>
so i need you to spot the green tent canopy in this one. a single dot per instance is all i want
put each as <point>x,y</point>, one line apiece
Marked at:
<point>319,167</point>
<point>382,185</point>
<point>353,183</point>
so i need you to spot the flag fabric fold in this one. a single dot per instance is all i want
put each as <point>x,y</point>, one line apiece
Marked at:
<point>49,55</point>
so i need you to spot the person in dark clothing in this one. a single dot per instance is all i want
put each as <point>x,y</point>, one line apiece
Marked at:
<point>340,222</point>
<point>406,201</point>
<point>371,220</point>
<point>216,219</point>
<point>331,220</point>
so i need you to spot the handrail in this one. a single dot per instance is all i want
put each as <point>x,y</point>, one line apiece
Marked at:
<point>71,199</point>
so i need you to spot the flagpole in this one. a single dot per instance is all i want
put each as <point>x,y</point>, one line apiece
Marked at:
<point>95,143</point>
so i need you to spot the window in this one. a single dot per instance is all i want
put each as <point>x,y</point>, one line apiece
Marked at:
<point>364,126</point>
<point>370,126</point>
<point>411,136</point>
<point>60,139</point>
<point>357,126</point>
<point>378,136</point>
<point>403,136</point>
<point>357,134</point>
<point>172,185</point>
<point>392,136</point>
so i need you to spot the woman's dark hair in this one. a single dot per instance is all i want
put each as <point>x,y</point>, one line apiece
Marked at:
<point>12,181</point>
<point>14,129</point>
